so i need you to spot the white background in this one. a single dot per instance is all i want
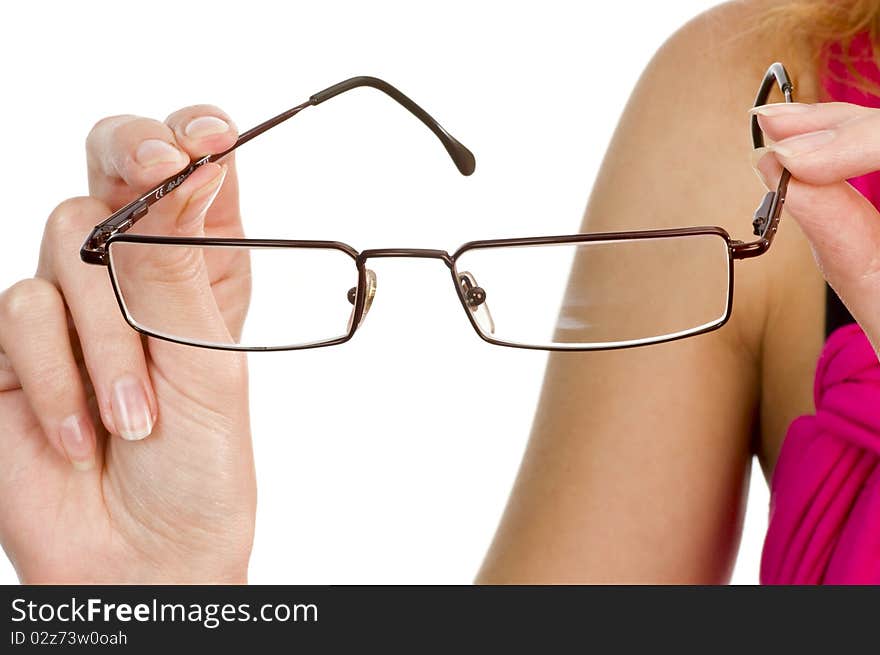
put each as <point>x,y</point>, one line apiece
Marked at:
<point>388,459</point>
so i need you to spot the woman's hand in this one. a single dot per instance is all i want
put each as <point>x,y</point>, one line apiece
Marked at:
<point>823,145</point>
<point>124,459</point>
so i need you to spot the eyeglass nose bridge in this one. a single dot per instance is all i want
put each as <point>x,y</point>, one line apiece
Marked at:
<point>356,318</point>
<point>418,253</point>
<point>474,296</point>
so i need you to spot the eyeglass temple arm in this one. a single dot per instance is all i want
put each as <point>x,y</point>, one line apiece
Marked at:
<point>463,158</point>
<point>94,250</point>
<point>768,213</point>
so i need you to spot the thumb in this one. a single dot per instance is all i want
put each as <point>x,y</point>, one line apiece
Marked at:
<point>167,291</point>
<point>843,228</point>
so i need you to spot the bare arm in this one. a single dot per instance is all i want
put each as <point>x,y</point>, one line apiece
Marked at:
<point>636,466</point>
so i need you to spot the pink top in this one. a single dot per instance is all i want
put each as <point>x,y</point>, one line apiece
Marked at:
<point>837,85</point>
<point>824,498</point>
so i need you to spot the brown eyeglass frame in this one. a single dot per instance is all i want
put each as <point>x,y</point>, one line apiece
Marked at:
<point>765,223</point>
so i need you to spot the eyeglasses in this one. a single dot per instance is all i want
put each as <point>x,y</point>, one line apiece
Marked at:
<point>578,292</point>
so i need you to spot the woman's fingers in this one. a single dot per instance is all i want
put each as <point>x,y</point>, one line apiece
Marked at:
<point>785,119</point>
<point>843,228</point>
<point>824,143</point>
<point>167,289</point>
<point>128,155</point>
<point>34,335</point>
<point>202,129</point>
<point>112,351</point>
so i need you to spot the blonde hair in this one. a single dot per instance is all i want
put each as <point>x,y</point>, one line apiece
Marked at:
<point>829,20</point>
<point>818,23</point>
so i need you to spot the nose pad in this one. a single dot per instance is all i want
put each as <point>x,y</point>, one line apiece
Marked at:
<point>370,291</point>
<point>475,300</point>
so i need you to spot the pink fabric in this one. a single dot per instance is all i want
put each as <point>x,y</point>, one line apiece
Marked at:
<point>824,497</point>
<point>824,505</point>
<point>838,85</point>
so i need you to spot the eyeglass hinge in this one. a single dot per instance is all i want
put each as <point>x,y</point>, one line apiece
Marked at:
<point>94,251</point>
<point>762,214</point>
<point>124,221</point>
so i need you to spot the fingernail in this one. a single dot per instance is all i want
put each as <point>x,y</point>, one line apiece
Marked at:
<point>756,156</point>
<point>155,151</point>
<point>209,191</point>
<point>78,441</point>
<point>205,126</point>
<point>131,409</point>
<point>200,201</point>
<point>782,109</point>
<point>803,144</point>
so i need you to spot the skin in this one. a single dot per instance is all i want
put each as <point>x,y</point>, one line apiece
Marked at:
<point>637,465</point>
<point>161,490</point>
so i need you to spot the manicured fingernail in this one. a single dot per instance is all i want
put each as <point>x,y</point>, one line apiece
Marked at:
<point>155,151</point>
<point>131,409</point>
<point>803,144</point>
<point>205,126</point>
<point>78,441</point>
<point>782,109</point>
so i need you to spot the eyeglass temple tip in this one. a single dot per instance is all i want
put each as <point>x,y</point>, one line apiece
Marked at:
<point>463,158</point>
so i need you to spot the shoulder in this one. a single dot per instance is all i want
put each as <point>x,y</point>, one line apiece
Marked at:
<point>686,128</point>
<point>723,53</point>
<point>681,156</point>
<point>709,71</point>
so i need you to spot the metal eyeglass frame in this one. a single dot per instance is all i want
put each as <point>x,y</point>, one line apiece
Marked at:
<point>114,228</point>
